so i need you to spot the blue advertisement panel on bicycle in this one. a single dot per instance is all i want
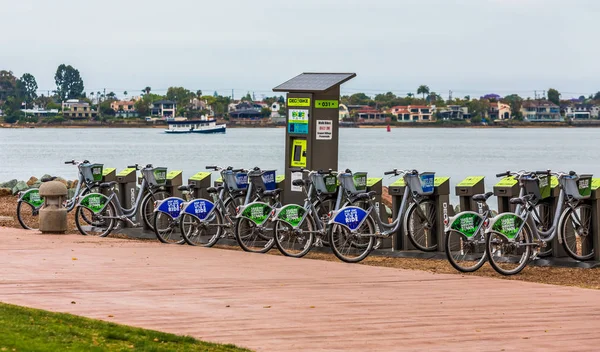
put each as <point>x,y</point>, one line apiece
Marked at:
<point>351,217</point>
<point>200,208</point>
<point>171,206</point>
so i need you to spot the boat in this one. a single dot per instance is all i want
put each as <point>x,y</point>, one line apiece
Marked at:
<point>203,125</point>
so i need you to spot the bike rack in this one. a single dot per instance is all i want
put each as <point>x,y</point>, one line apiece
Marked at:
<point>108,175</point>
<point>504,190</point>
<point>466,189</point>
<point>174,180</point>
<point>127,188</point>
<point>201,182</point>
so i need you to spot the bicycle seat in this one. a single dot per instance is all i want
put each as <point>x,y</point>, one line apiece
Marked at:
<point>48,179</point>
<point>214,189</point>
<point>521,200</point>
<point>186,188</point>
<point>300,182</point>
<point>272,193</point>
<point>107,184</point>
<point>365,196</point>
<point>482,197</point>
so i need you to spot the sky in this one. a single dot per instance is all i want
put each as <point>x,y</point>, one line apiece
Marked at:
<point>471,47</point>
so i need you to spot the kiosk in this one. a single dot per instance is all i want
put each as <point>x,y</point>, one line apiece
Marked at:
<point>311,138</point>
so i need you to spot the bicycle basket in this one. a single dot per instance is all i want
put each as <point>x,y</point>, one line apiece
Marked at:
<point>578,187</point>
<point>354,183</point>
<point>421,184</point>
<point>91,172</point>
<point>156,176</point>
<point>237,181</point>
<point>538,186</point>
<point>325,184</point>
<point>268,179</point>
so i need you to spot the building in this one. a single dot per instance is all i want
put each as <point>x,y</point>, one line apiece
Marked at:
<point>344,113</point>
<point>413,113</point>
<point>76,109</point>
<point>40,112</point>
<point>164,108</point>
<point>371,115</point>
<point>499,111</point>
<point>581,109</point>
<point>454,112</point>
<point>541,111</point>
<point>124,109</point>
<point>245,114</point>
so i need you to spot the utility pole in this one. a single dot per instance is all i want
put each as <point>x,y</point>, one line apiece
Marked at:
<point>450,95</point>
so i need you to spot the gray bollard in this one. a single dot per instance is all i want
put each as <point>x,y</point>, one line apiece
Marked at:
<point>53,214</point>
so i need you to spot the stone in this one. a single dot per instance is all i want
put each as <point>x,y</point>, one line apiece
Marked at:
<point>10,184</point>
<point>37,184</point>
<point>62,180</point>
<point>20,186</point>
<point>45,176</point>
<point>75,183</point>
<point>5,191</point>
<point>69,184</point>
<point>70,193</point>
<point>32,181</point>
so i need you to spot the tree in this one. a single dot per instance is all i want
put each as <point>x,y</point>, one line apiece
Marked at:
<point>105,109</point>
<point>554,96</point>
<point>147,90</point>
<point>265,112</point>
<point>423,89</point>
<point>359,99</point>
<point>69,84</point>
<point>597,96</point>
<point>515,102</point>
<point>125,94</point>
<point>410,95</point>
<point>111,96</point>
<point>478,108</point>
<point>27,87</point>
<point>179,95</point>
<point>142,107</point>
<point>199,93</point>
<point>247,97</point>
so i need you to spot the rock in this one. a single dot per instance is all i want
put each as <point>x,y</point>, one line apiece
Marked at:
<point>5,192</point>
<point>71,193</point>
<point>10,184</point>
<point>62,180</point>
<point>69,184</point>
<point>32,181</point>
<point>20,186</point>
<point>74,185</point>
<point>37,184</point>
<point>45,176</point>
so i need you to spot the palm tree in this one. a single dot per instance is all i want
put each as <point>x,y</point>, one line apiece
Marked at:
<point>92,96</point>
<point>125,94</point>
<point>198,93</point>
<point>410,95</point>
<point>98,95</point>
<point>147,90</point>
<point>423,89</point>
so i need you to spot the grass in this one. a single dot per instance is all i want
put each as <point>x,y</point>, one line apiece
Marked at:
<point>26,329</point>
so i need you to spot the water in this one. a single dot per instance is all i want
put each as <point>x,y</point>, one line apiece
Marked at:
<point>454,152</point>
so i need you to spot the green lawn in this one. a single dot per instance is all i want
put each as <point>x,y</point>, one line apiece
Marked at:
<point>25,329</point>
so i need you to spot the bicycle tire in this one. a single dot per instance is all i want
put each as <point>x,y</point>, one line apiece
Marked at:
<point>103,231</point>
<point>577,246</point>
<point>339,235</point>
<point>26,220</point>
<point>165,226</point>
<point>291,244</point>
<point>192,229</point>
<point>147,210</point>
<point>497,263</point>
<point>471,245</point>
<point>255,241</point>
<point>421,241</point>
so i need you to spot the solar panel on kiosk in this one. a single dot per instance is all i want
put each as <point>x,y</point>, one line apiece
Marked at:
<point>314,82</point>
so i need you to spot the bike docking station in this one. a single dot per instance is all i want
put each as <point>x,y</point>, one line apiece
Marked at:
<point>311,137</point>
<point>466,189</point>
<point>504,190</point>
<point>174,180</point>
<point>109,174</point>
<point>201,182</point>
<point>126,181</point>
<point>443,210</point>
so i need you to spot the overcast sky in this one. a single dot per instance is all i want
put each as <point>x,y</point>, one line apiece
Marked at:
<point>470,46</point>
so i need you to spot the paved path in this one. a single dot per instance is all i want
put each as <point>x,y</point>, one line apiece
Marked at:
<point>272,303</point>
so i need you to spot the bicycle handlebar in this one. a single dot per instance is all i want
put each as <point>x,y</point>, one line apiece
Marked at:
<point>212,167</point>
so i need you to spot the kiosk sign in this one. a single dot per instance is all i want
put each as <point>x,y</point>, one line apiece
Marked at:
<point>298,121</point>
<point>324,129</point>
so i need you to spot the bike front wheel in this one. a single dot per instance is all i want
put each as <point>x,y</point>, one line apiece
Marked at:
<point>464,254</point>
<point>92,224</point>
<point>419,225</point>
<point>506,257</point>
<point>148,207</point>
<point>576,231</point>
<point>295,242</point>
<point>166,229</point>
<point>205,233</point>
<point>352,247</point>
<point>254,238</point>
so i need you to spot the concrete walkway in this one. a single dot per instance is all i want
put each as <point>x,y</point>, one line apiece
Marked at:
<point>272,303</point>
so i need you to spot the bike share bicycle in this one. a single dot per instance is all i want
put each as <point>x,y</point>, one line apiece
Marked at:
<point>30,202</point>
<point>513,238</point>
<point>107,213</point>
<point>354,239</point>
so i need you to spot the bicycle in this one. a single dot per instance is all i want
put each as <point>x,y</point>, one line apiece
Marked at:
<point>513,237</point>
<point>204,222</point>
<point>300,228</point>
<point>465,232</point>
<point>107,213</point>
<point>354,240</point>
<point>167,217</point>
<point>30,201</point>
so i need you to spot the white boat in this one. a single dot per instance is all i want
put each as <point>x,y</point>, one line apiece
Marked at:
<point>204,125</point>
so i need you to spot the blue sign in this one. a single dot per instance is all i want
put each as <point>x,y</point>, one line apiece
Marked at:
<point>171,206</point>
<point>199,208</point>
<point>352,217</point>
<point>298,128</point>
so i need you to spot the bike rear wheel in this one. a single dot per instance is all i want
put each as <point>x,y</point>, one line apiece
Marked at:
<point>464,254</point>
<point>99,225</point>
<point>254,238</point>
<point>352,247</point>
<point>292,242</point>
<point>509,258</point>
<point>576,231</point>
<point>148,207</point>
<point>420,229</point>
<point>205,233</point>
<point>28,216</point>
<point>166,229</point>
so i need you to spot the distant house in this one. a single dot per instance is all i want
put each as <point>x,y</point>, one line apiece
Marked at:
<point>251,114</point>
<point>124,109</point>
<point>275,107</point>
<point>541,111</point>
<point>39,112</point>
<point>581,110</point>
<point>164,108</point>
<point>76,109</point>
<point>344,113</point>
<point>454,112</point>
<point>371,115</point>
<point>413,113</point>
<point>499,111</point>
